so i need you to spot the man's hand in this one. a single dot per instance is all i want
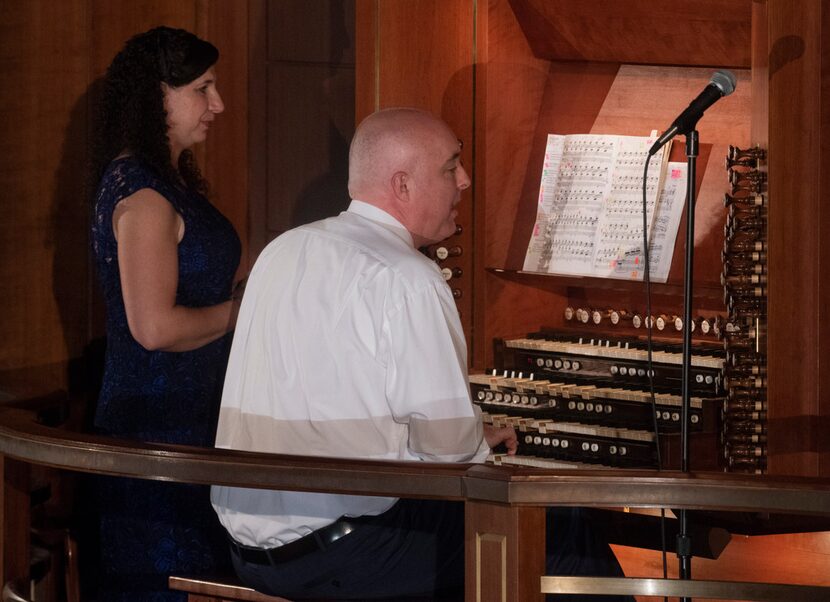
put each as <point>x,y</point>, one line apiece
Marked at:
<point>503,434</point>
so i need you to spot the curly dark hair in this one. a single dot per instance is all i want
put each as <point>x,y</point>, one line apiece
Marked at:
<point>131,115</point>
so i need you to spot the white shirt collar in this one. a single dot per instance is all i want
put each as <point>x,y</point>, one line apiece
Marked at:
<point>378,215</point>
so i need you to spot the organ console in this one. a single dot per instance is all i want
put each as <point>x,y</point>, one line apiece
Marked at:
<point>518,70</point>
<point>582,398</point>
<point>583,395</point>
<point>575,397</point>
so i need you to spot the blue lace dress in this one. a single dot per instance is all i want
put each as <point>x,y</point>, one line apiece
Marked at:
<point>148,529</point>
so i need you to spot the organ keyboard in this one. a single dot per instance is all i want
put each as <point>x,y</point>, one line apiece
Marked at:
<point>616,360</point>
<point>576,400</point>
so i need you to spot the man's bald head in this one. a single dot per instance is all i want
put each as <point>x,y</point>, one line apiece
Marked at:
<point>407,162</point>
<point>386,142</point>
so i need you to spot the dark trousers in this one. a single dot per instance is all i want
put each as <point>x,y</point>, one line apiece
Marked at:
<point>416,549</point>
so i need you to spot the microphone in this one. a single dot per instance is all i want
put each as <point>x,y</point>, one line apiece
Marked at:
<point>722,84</point>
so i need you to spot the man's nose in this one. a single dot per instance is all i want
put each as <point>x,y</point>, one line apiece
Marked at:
<point>461,178</point>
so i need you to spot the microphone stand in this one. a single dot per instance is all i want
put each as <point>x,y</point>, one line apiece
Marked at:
<point>684,542</point>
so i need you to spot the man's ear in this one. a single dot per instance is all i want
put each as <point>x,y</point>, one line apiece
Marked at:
<point>400,182</point>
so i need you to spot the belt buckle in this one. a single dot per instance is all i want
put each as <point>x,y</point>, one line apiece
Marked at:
<point>319,539</point>
<point>331,533</point>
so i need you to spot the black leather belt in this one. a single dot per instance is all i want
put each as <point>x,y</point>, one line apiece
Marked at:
<point>316,540</point>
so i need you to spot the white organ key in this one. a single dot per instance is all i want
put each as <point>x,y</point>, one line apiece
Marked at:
<point>617,352</point>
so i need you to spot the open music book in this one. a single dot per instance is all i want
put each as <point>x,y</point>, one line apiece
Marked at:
<point>589,219</point>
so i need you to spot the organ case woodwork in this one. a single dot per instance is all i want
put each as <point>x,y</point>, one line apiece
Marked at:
<point>505,73</point>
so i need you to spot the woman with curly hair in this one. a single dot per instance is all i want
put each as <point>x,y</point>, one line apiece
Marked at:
<point>166,260</point>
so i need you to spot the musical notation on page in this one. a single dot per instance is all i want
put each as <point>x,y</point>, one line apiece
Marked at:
<point>589,219</point>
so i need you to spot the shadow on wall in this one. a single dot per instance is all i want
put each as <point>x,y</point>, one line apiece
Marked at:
<point>73,283</point>
<point>327,194</point>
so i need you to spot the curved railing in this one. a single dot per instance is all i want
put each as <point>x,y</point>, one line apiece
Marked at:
<point>518,489</point>
<point>22,438</point>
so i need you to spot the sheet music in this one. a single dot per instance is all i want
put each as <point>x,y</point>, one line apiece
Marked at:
<point>664,227</point>
<point>589,214</point>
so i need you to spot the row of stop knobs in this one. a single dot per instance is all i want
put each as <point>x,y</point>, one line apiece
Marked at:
<point>442,253</point>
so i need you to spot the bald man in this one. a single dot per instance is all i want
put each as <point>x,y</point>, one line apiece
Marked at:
<point>348,345</point>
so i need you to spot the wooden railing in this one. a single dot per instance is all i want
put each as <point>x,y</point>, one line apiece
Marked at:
<point>504,506</point>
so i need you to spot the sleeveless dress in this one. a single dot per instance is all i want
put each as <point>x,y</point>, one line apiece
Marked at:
<point>150,529</point>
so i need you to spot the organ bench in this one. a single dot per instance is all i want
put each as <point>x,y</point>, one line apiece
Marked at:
<point>504,506</point>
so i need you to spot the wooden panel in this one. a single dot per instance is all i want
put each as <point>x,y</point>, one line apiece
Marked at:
<point>113,23</point>
<point>516,308</point>
<point>700,32</point>
<point>257,128</point>
<point>225,24</point>
<point>431,42</point>
<point>318,32</point>
<point>302,113</point>
<point>505,552</point>
<point>43,234</point>
<point>760,75</point>
<point>798,346</point>
<point>310,125</point>
<point>795,558</point>
<point>14,520</point>
<point>366,58</point>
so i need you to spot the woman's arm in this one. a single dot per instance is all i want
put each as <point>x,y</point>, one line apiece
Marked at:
<point>148,231</point>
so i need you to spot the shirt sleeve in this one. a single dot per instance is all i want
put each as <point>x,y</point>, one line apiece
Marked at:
<point>427,386</point>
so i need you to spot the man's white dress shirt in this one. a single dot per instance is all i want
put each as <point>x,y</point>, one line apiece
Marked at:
<point>348,345</point>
